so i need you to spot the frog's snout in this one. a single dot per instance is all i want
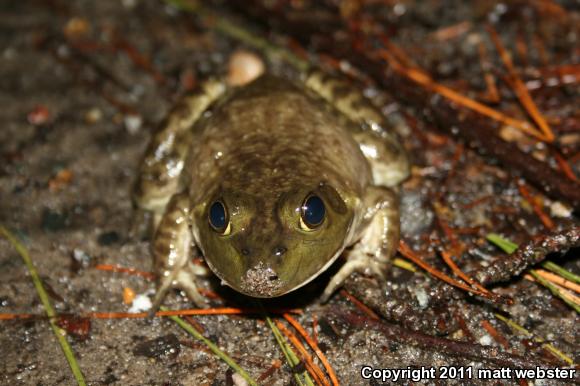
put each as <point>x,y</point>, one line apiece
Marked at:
<point>261,281</point>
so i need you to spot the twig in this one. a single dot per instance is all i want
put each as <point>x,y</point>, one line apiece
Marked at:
<point>526,255</point>
<point>429,343</point>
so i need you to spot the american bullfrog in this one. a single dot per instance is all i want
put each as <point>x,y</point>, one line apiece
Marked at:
<point>271,182</point>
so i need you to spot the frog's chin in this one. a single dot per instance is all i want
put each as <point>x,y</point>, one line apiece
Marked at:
<point>260,282</point>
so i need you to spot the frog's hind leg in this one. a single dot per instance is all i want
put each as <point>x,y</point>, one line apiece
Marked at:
<point>160,172</point>
<point>377,244</point>
<point>369,127</point>
<point>172,246</point>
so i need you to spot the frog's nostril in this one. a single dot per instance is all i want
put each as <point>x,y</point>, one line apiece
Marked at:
<point>245,251</point>
<point>279,251</point>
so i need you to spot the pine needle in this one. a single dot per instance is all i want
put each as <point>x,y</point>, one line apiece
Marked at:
<point>301,379</point>
<point>514,326</point>
<point>213,347</point>
<point>44,298</point>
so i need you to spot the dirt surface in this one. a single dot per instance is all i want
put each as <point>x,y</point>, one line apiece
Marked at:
<point>84,83</point>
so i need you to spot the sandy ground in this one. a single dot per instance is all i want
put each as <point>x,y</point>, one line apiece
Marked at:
<point>65,182</point>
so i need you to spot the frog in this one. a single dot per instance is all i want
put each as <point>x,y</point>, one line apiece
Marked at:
<point>270,183</point>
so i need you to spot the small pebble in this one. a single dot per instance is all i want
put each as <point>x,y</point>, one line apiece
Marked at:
<point>39,115</point>
<point>94,115</point>
<point>128,295</point>
<point>558,209</point>
<point>76,27</point>
<point>133,123</point>
<point>108,238</point>
<point>243,67</point>
<point>82,258</point>
<point>53,221</point>
<point>167,345</point>
<point>141,303</point>
<point>485,340</point>
<point>239,380</point>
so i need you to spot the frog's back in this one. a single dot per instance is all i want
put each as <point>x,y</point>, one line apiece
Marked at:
<point>273,135</point>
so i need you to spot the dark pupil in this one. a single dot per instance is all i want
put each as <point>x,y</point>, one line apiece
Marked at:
<point>313,211</point>
<point>217,215</point>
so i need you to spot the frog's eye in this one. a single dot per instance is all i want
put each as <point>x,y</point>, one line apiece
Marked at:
<point>219,218</point>
<point>312,212</point>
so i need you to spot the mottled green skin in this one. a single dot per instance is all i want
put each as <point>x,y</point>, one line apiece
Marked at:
<point>278,144</point>
<point>261,150</point>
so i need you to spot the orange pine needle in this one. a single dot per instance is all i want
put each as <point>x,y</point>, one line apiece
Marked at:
<point>546,220</point>
<point>130,271</point>
<point>447,258</point>
<point>137,315</point>
<point>492,93</point>
<point>314,347</point>
<point>424,80</point>
<point>519,87</point>
<point>565,167</point>
<point>495,334</point>
<point>11,316</point>
<point>314,328</point>
<point>453,31</point>
<point>276,364</point>
<point>312,367</point>
<point>409,254</point>
<point>360,305</point>
<point>559,280</point>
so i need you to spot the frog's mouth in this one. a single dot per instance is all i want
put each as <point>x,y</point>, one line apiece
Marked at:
<point>261,281</point>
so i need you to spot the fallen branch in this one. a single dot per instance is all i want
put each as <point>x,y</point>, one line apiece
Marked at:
<point>463,350</point>
<point>527,255</point>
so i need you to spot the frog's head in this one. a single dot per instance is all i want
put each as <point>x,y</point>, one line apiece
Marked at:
<point>268,246</point>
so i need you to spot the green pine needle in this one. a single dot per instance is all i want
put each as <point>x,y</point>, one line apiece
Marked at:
<point>58,332</point>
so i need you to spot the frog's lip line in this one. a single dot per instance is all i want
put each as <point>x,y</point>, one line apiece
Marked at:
<point>312,277</point>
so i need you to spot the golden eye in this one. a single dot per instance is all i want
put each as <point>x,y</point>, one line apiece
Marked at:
<point>219,219</point>
<point>312,212</point>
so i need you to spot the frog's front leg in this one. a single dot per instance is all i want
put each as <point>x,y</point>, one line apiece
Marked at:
<point>172,246</point>
<point>377,242</point>
<point>161,168</point>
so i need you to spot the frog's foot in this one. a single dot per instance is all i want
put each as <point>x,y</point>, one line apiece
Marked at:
<point>358,262</point>
<point>172,249</point>
<point>378,241</point>
<point>182,278</point>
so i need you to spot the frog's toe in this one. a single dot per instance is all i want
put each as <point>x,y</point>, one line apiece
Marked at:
<point>360,262</point>
<point>184,280</point>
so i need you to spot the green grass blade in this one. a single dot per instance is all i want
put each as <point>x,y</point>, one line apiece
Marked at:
<point>561,271</point>
<point>58,332</point>
<point>538,339</point>
<point>504,244</point>
<point>213,347</point>
<point>291,357</point>
<point>554,290</point>
<point>510,247</point>
<point>227,28</point>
